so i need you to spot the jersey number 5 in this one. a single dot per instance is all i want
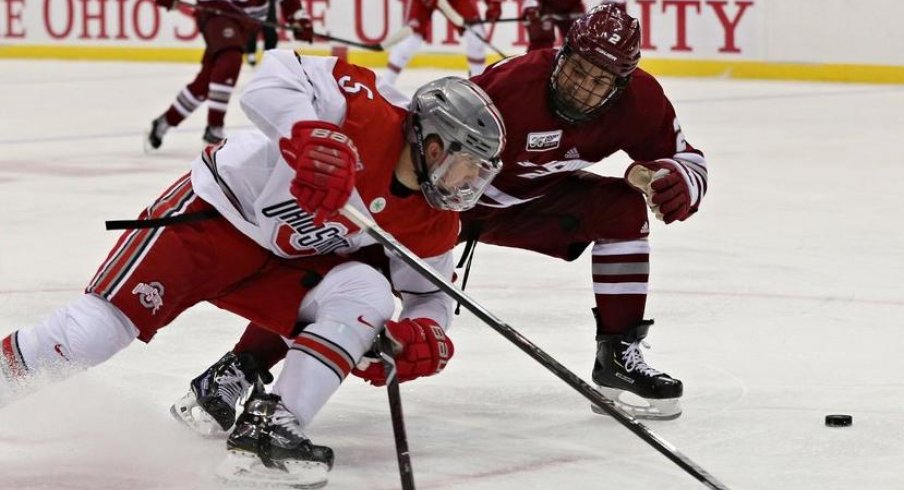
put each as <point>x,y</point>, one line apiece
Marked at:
<point>346,84</point>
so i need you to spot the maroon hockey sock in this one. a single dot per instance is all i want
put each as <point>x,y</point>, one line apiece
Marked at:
<point>267,347</point>
<point>619,284</point>
<point>223,76</point>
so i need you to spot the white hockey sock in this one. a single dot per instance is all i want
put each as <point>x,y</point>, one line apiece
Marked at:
<point>475,50</point>
<point>401,55</point>
<point>350,306</point>
<point>82,334</point>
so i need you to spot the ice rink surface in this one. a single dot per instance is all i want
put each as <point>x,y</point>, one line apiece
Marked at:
<point>780,302</point>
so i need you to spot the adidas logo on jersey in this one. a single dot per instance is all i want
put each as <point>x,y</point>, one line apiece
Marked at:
<point>573,154</point>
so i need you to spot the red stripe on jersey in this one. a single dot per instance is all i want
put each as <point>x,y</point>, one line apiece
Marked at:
<point>124,258</point>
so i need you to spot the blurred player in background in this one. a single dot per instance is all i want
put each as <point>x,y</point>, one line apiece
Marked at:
<point>268,32</point>
<point>419,17</point>
<point>542,17</point>
<point>255,229</point>
<point>227,26</point>
<point>565,110</point>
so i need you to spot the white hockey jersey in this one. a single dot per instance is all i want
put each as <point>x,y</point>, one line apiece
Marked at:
<point>247,180</point>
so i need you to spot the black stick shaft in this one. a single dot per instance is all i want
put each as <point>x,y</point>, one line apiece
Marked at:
<point>532,350</point>
<point>406,472</point>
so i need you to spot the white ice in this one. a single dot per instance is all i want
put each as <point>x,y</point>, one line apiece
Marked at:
<point>780,302</point>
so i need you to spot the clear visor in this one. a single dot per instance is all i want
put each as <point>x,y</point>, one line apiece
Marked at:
<point>459,180</point>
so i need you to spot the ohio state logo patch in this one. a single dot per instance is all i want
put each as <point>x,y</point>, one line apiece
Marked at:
<point>542,141</point>
<point>150,295</point>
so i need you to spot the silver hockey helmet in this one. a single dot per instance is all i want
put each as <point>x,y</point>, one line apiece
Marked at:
<point>472,133</point>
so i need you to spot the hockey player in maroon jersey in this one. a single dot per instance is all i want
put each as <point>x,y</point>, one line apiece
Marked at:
<point>596,102</point>
<point>226,26</point>
<point>255,229</point>
<point>590,101</point>
<point>543,17</point>
<point>418,16</point>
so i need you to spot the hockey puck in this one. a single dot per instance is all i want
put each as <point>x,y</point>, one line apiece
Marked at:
<point>839,420</point>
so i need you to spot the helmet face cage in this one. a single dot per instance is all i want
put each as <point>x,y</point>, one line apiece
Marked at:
<point>461,115</point>
<point>606,39</point>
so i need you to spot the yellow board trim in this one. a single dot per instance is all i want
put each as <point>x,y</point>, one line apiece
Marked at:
<point>825,72</point>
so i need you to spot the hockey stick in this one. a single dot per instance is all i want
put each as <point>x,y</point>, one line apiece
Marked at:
<point>458,21</point>
<point>547,361</point>
<point>397,37</point>
<point>288,27</point>
<point>383,346</point>
<point>485,21</point>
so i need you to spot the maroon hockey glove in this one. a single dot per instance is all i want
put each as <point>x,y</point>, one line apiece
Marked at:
<point>673,189</point>
<point>298,19</point>
<point>167,4</point>
<point>325,161</point>
<point>494,10</point>
<point>420,346</point>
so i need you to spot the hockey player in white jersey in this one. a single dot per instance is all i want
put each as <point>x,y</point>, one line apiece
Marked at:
<point>255,229</point>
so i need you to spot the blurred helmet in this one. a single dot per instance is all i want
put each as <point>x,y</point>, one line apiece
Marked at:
<point>462,116</point>
<point>600,53</point>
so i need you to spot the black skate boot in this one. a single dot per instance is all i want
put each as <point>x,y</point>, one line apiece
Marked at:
<point>209,405</point>
<point>213,135</point>
<point>619,367</point>
<point>154,138</point>
<point>269,448</point>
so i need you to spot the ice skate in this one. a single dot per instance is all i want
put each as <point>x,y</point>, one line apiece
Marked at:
<point>213,135</point>
<point>154,138</point>
<point>269,449</point>
<point>622,375</point>
<point>209,407</point>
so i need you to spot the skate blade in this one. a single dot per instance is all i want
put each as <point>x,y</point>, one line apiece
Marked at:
<point>187,411</point>
<point>644,408</point>
<point>244,469</point>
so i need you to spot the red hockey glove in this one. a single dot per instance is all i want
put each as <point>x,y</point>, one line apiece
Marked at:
<point>420,346</point>
<point>494,10</point>
<point>167,4</point>
<point>325,161</point>
<point>299,21</point>
<point>673,189</point>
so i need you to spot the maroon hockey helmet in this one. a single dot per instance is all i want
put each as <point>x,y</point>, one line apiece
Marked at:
<point>606,41</point>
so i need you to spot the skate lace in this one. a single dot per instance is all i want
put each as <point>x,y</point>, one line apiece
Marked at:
<point>231,385</point>
<point>284,419</point>
<point>633,358</point>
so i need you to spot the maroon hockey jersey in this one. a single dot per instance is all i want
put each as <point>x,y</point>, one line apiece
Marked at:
<point>542,148</point>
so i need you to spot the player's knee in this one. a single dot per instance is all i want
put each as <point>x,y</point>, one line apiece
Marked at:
<point>354,285</point>
<point>350,306</point>
<point>82,334</point>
